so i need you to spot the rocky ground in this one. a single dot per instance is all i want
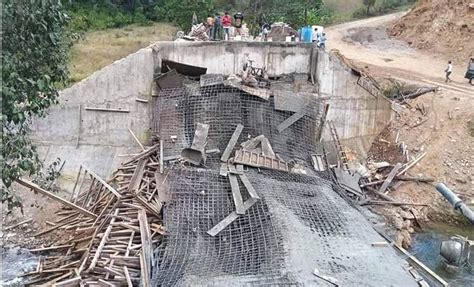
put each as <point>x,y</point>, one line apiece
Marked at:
<point>440,125</point>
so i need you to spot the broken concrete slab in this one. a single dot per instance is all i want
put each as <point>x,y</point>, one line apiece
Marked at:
<point>211,80</point>
<point>348,182</point>
<point>182,69</point>
<point>169,80</point>
<point>196,153</point>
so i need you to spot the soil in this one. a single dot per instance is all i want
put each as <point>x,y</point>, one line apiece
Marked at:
<point>36,207</point>
<point>444,133</point>
<point>439,26</point>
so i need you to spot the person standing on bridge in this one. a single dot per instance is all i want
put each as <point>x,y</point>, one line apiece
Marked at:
<point>226,23</point>
<point>449,71</point>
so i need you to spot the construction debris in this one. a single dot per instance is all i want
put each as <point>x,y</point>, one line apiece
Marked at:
<point>182,69</point>
<point>108,233</point>
<point>196,153</point>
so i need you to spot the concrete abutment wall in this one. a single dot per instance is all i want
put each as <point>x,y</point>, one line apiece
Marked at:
<point>77,134</point>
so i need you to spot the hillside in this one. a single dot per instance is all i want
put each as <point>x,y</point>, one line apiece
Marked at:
<point>441,26</point>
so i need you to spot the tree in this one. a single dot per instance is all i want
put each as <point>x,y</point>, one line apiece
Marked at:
<point>368,4</point>
<point>35,56</point>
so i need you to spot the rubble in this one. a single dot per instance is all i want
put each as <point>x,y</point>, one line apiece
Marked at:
<point>108,233</point>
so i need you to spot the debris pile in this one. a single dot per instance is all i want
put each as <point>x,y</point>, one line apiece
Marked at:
<point>109,234</point>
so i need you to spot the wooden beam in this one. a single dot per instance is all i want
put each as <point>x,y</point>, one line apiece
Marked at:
<point>55,197</point>
<point>107,110</point>
<point>230,218</point>
<point>291,120</point>
<point>249,187</point>
<point>104,183</point>
<point>238,201</point>
<point>233,140</point>
<point>136,139</point>
<point>390,177</point>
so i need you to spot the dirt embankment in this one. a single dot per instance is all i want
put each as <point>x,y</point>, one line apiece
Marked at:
<point>441,26</point>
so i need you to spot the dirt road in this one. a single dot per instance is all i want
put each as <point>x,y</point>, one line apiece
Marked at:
<point>366,43</point>
<point>447,135</point>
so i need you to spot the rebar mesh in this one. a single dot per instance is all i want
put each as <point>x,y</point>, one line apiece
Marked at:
<point>299,223</point>
<point>178,110</point>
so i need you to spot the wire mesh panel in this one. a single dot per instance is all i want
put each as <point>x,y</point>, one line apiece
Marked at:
<point>299,223</point>
<point>248,250</point>
<point>178,110</point>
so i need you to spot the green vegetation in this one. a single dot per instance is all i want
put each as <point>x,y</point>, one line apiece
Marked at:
<point>104,14</point>
<point>34,66</point>
<point>381,7</point>
<point>97,49</point>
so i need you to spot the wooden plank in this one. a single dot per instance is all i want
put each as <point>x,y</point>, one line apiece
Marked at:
<point>55,197</point>
<point>230,218</point>
<point>138,173</point>
<point>162,167</point>
<point>18,224</point>
<point>238,201</point>
<point>146,254</point>
<point>104,239</point>
<point>223,170</point>
<point>291,120</point>
<point>232,142</point>
<point>249,186</point>
<point>104,183</point>
<point>136,139</point>
<point>411,164</point>
<point>143,154</point>
<point>69,282</point>
<point>50,248</point>
<point>127,276</point>
<point>118,110</point>
<point>390,177</point>
<point>256,160</point>
<point>396,203</point>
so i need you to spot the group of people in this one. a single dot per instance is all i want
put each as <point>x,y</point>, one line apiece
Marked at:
<point>469,73</point>
<point>319,38</point>
<point>219,26</point>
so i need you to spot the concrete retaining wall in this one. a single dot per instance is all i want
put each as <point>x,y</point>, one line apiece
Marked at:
<point>229,57</point>
<point>96,139</point>
<point>357,115</point>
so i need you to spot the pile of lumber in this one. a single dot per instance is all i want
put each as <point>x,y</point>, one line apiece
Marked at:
<point>378,185</point>
<point>108,233</point>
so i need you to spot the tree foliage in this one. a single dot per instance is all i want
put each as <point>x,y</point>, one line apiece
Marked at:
<point>368,4</point>
<point>34,65</point>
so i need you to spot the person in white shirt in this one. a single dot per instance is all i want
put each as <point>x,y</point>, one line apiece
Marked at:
<point>449,71</point>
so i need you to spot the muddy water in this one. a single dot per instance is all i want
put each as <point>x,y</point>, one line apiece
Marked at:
<point>16,261</point>
<point>426,247</point>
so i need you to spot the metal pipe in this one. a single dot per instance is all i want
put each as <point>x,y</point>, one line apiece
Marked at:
<point>455,201</point>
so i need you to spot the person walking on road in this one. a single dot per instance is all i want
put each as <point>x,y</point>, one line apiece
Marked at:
<point>470,71</point>
<point>226,23</point>
<point>449,71</point>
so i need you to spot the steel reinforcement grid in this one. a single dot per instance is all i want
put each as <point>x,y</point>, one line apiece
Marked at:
<point>299,223</point>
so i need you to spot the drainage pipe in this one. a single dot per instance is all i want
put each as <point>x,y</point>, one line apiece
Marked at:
<point>456,201</point>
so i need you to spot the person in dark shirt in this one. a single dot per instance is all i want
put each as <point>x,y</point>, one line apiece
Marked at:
<point>470,71</point>
<point>217,27</point>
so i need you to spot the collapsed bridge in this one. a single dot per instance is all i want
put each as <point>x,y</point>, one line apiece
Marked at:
<point>231,219</point>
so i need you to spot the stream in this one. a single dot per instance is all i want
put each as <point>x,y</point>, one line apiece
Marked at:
<point>426,246</point>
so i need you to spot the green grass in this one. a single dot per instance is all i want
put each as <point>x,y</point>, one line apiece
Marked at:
<point>98,49</point>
